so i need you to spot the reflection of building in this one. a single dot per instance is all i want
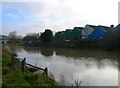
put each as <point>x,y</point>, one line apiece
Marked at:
<point>85,53</point>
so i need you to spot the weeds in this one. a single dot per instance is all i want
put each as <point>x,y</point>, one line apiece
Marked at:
<point>13,76</point>
<point>77,83</point>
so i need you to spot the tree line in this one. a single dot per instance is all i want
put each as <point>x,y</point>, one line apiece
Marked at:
<point>46,36</point>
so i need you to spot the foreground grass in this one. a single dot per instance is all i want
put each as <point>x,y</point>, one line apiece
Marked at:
<point>12,75</point>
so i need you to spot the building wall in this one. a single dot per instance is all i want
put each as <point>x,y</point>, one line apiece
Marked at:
<point>118,29</point>
<point>66,35</point>
<point>98,34</point>
<point>76,34</point>
<point>61,35</point>
<point>87,30</point>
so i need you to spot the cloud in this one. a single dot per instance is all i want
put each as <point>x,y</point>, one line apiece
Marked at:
<point>12,15</point>
<point>62,14</point>
<point>33,9</point>
<point>38,26</point>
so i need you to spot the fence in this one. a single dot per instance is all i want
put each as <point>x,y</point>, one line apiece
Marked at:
<point>23,65</point>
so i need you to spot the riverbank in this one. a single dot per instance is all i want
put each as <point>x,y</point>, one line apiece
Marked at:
<point>105,45</point>
<point>13,76</point>
<point>81,45</point>
<point>67,63</point>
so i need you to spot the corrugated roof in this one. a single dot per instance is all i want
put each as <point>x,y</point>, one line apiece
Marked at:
<point>92,26</point>
<point>80,28</point>
<point>70,30</point>
<point>117,25</point>
<point>105,27</point>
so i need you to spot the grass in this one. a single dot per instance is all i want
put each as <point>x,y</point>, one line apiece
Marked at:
<point>13,76</point>
<point>0,72</point>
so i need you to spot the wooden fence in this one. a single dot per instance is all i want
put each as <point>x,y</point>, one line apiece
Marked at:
<point>23,65</point>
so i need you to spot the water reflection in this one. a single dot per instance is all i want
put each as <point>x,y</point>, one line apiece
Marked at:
<point>31,50</point>
<point>43,51</point>
<point>13,49</point>
<point>68,52</point>
<point>92,67</point>
<point>47,52</point>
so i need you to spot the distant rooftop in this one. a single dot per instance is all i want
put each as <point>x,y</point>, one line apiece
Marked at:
<point>3,37</point>
<point>93,26</point>
<point>70,30</point>
<point>80,28</point>
<point>104,27</point>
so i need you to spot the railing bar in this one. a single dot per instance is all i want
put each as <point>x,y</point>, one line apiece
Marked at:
<point>20,59</point>
<point>34,66</point>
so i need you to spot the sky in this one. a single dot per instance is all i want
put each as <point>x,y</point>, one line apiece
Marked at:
<point>33,16</point>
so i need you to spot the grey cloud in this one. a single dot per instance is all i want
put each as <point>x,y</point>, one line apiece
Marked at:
<point>66,14</point>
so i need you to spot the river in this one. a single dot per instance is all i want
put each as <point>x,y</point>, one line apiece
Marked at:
<point>87,67</point>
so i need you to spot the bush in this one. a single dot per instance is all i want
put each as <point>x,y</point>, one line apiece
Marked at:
<point>47,36</point>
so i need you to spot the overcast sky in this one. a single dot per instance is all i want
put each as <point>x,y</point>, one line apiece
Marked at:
<point>37,15</point>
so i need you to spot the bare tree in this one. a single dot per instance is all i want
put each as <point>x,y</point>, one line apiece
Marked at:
<point>12,36</point>
<point>77,83</point>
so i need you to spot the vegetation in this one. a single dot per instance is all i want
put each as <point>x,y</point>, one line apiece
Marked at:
<point>111,42</point>
<point>13,76</point>
<point>47,36</point>
<point>31,36</point>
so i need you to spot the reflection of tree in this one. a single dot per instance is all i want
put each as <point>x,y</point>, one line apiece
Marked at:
<point>32,50</point>
<point>43,50</point>
<point>47,51</point>
<point>86,53</point>
<point>99,63</point>
<point>14,49</point>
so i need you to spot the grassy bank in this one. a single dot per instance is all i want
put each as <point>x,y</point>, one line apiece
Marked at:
<point>13,76</point>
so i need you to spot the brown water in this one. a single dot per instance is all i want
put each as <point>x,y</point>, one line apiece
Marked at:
<point>91,67</point>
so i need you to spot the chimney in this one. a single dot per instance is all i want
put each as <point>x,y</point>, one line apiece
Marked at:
<point>112,26</point>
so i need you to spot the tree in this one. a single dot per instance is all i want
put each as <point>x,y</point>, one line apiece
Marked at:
<point>58,35</point>
<point>19,38</point>
<point>31,37</point>
<point>111,40</point>
<point>12,36</point>
<point>47,36</point>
